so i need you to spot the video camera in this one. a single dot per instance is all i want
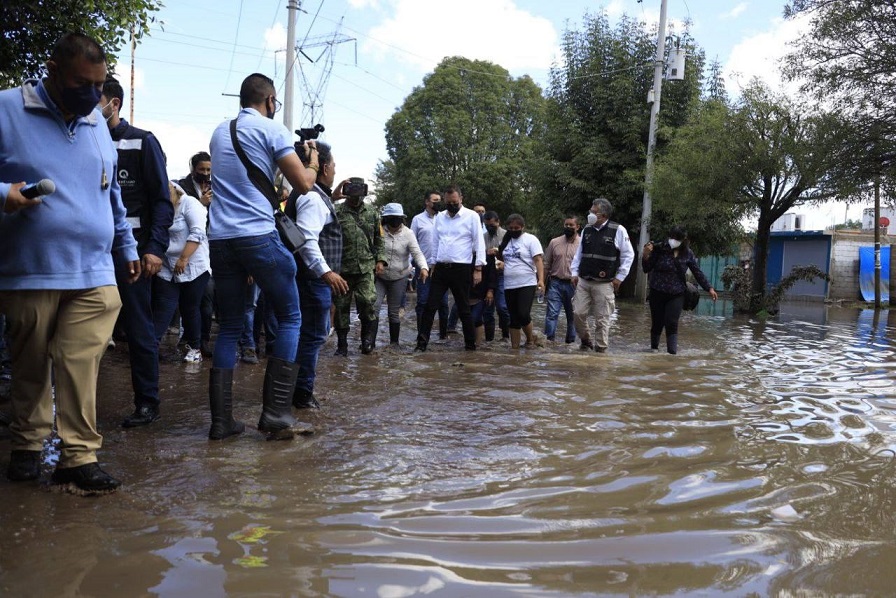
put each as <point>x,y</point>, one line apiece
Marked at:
<point>304,135</point>
<point>355,187</point>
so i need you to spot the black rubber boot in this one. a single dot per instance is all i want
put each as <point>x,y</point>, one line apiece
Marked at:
<point>302,399</point>
<point>368,336</point>
<point>220,399</point>
<point>341,342</point>
<point>279,385</point>
<point>394,331</point>
<point>443,329</point>
<point>672,343</point>
<point>654,341</point>
<point>490,332</point>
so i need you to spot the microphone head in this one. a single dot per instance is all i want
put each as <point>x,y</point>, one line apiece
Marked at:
<point>45,187</point>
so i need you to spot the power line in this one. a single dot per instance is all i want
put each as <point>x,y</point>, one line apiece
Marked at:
<point>236,36</point>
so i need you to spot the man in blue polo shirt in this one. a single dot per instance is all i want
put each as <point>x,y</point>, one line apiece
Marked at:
<point>243,242</point>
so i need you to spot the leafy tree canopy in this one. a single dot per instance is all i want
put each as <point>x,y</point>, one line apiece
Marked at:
<point>760,157</point>
<point>598,117</point>
<point>31,29</point>
<point>470,123</point>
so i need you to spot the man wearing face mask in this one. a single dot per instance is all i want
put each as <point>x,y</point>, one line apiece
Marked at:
<point>459,258</point>
<point>244,242</point>
<point>144,190</point>
<point>57,261</point>
<point>602,261</point>
<point>363,257</point>
<point>421,226</point>
<point>198,183</point>
<point>557,261</point>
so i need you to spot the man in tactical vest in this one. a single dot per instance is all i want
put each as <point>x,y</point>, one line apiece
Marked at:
<point>601,263</point>
<point>144,191</point>
<point>363,256</point>
<point>318,264</point>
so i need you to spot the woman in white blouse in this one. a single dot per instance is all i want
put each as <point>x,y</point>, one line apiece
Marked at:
<point>185,271</point>
<point>400,245</point>
<point>523,275</point>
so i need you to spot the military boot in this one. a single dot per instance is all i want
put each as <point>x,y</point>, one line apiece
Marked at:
<point>368,335</point>
<point>341,342</point>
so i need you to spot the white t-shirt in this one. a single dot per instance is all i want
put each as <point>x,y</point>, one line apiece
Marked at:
<point>519,261</point>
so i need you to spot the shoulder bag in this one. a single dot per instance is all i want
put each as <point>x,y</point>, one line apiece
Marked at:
<point>290,234</point>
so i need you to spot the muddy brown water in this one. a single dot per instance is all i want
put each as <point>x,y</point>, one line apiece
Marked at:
<point>757,462</point>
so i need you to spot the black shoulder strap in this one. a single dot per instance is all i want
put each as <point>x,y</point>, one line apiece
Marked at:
<point>256,176</point>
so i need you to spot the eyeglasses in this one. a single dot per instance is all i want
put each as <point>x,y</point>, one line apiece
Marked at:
<point>277,104</point>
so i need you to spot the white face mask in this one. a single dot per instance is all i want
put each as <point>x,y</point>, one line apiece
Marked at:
<point>674,244</point>
<point>592,218</point>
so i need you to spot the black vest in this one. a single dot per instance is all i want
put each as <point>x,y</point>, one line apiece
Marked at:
<point>129,142</point>
<point>600,258</point>
<point>330,239</point>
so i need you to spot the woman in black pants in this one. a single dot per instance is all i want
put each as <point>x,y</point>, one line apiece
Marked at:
<point>668,263</point>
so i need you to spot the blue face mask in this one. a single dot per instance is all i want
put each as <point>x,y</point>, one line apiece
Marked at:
<point>80,101</point>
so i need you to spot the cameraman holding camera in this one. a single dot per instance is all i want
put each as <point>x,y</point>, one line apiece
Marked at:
<point>319,261</point>
<point>363,257</point>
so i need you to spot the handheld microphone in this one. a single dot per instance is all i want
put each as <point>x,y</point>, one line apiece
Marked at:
<point>44,187</point>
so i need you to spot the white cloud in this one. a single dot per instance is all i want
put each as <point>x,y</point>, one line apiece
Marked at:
<point>275,37</point>
<point>364,3</point>
<point>615,8</point>
<point>179,142</point>
<point>760,55</point>
<point>735,12</point>
<point>422,33</point>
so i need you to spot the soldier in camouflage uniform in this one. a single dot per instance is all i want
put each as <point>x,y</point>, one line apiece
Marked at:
<point>363,256</point>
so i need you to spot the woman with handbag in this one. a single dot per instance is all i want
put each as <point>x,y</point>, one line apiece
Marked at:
<point>667,264</point>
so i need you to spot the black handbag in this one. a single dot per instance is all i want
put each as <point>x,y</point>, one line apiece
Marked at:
<point>290,235</point>
<point>691,296</point>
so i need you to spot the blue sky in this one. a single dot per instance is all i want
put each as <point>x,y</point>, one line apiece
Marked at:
<point>203,49</point>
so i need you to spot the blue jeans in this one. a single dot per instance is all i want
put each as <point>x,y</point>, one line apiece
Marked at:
<point>247,338</point>
<point>559,295</point>
<point>500,303</point>
<point>168,295</point>
<point>143,348</point>
<point>423,296</point>
<point>315,299</point>
<point>274,270</point>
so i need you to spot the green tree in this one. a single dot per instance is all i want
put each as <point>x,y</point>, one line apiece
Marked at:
<point>847,57</point>
<point>30,29</point>
<point>598,118</point>
<point>761,157</point>
<point>470,123</point>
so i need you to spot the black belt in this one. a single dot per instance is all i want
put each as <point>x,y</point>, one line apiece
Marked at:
<point>561,279</point>
<point>452,265</point>
<point>592,279</point>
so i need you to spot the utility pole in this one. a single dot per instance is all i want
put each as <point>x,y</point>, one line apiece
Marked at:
<point>133,51</point>
<point>877,244</point>
<point>659,62</point>
<point>292,8</point>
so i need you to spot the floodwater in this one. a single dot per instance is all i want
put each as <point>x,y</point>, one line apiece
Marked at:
<point>757,462</point>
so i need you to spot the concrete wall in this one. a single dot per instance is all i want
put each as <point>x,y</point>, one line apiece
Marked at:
<point>845,262</point>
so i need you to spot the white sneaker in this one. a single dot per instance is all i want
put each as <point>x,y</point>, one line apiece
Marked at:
<point>193,355</point>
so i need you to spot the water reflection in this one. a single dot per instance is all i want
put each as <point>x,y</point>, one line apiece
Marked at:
<point>757,461</point>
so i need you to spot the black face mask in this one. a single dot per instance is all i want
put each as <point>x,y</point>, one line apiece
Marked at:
<point>393,222</point>
<point>569,232</point>
<point>514,234</point>
<point>202,178</point>
<point>453,208</point>
<point>492,229</point>
<point>80,100</point>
